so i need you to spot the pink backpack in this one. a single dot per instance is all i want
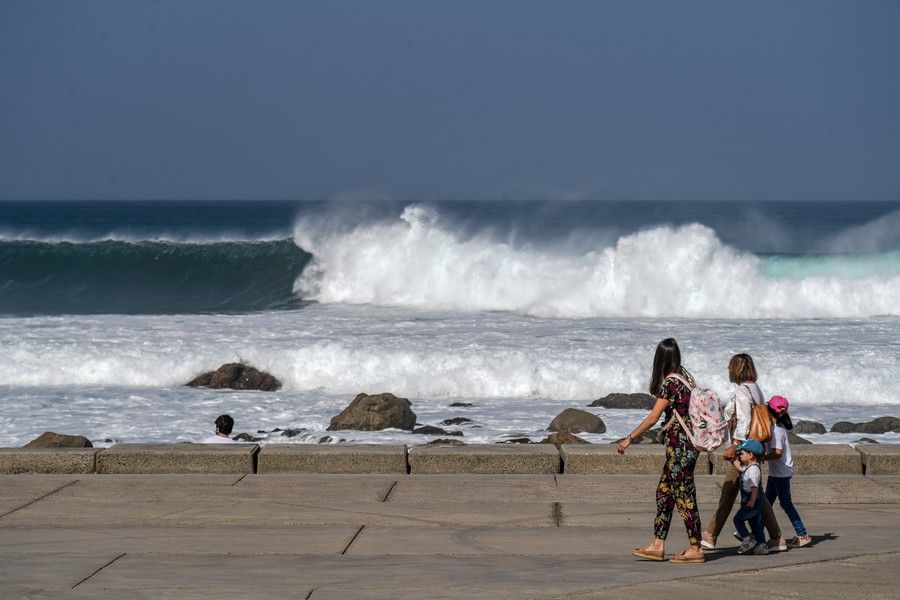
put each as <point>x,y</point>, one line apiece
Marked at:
<point>709,427</point>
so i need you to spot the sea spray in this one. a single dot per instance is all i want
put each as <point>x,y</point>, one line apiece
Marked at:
<point>680,272</point>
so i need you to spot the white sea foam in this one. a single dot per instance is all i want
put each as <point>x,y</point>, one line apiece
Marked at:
<point>661,272</point>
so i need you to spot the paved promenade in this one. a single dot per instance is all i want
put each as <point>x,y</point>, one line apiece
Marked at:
<point>418,536</point>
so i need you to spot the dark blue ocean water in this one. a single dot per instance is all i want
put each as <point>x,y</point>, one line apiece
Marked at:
<point>225,257</point>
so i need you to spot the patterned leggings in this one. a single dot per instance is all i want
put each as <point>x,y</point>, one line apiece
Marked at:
<point>676,488</point>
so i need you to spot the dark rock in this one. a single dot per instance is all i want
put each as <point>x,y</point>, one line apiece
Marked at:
<point>328,439</point>
<point>576,420</point>
<point>795,439</point>
<point>110,441</point>
<point>289,433</point>
<point>654,436</point>
<point>880,425</point>
<point>559,438</point>
<point>456,421</point>
<point>445,442</point>
<point>843,427</point>
<point>373,413</point>
<point>48,439</point>
<point>865,441</point>
<point>632,401</point>
<point>429,430</point>
<point>461,405</point>
<point>515,440</point>
<point>245,437</point>
<point>237,376</point>
<point>809,427</point>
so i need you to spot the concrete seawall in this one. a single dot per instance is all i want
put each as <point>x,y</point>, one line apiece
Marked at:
<point>825,459</point>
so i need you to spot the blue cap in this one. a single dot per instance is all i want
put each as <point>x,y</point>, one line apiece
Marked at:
<point>751,446</point>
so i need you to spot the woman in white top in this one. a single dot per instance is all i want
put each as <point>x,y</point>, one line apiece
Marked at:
<point>741,372</point>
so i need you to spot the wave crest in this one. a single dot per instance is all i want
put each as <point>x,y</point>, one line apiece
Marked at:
<point>662,272</point>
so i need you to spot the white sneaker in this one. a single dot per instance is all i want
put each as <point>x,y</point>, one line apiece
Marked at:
<point>760,549</point>
<point>747,545</point>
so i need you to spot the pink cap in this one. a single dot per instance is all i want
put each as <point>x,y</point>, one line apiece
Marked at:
<point>778,403</point>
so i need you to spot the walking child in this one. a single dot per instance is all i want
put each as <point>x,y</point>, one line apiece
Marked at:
<point>749,453</point>
<point>781,469</point>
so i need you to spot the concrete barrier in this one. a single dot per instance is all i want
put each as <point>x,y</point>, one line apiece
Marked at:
<point>485,459</point>
<point>880,459</point>
<point>332,458</point>
<point>68,461</point>
<point>602,459</point>
<point>812,459</point>
<point>148,459</point>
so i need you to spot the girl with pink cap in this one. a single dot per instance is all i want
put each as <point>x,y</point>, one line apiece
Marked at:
<point>781,468</point>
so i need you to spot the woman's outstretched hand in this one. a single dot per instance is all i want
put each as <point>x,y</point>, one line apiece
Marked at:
<point>620,447</point>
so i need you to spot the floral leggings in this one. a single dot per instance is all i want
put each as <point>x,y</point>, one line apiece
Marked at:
<point>676,488</point>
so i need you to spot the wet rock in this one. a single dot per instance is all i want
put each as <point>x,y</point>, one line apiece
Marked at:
<point>445,442</point>
<point>809,427</point>
<point>576,420</point>
<point>865,441</point>
<point>246,437</point>
<point>559,438</point>
<point>373,413</point>
<point>429,430</point>
<point>49,439</point>
<point>795,439</point>
<point>289,433</point>
<point>878,425</point>
<point>515,440</point>
<point>461,405</point>
<point>456,421</point>
<point>237,376</point>
<point>626,401</point>
<point>653,436</point>
<point>843,427</point>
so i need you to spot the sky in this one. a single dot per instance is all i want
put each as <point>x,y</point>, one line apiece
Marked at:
<point>450,99</point>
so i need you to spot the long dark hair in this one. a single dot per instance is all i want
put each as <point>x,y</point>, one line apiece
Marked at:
<point>666,360</point>
<point>782,418</point>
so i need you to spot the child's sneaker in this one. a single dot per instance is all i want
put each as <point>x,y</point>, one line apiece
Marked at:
<point>737,536</point>
<point>800,541</point>
<point>746,546</point>
<point>760,549</point>
<point>778,545</point>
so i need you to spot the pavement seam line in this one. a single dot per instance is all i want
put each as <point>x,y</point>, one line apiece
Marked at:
<point>98,570</point>
<point>240,479</point>
<point>62,487</point>
<point>388,495</point>
<point>557,513</point>
<point>356,535</point>
<point>309,595</point>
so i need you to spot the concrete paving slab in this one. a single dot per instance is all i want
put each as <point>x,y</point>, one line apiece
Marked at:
<point>451,541</point>
<point>328,458</point>
<point>147,488</point>
<point>177,458</point>
<point>239,539</point>
<point>53,512</point>
<point>880,459</point>
<point>48,460</point>
<point>594,459</point>
<point>492,488</point>
<point>21,490</point>
<point>315,487</point>
<point>835,579</point>
<point>485,459</point>
<point>29,575</point>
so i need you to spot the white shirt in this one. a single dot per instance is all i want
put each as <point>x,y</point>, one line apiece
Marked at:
<point>750,477</point>
<point>742,402</point>
<point>784,466</point>
<point>218,439</point>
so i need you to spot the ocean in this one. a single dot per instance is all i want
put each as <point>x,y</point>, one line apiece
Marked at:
<point>521,309</point>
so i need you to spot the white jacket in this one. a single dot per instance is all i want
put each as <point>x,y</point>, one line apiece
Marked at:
<point>742,403</point>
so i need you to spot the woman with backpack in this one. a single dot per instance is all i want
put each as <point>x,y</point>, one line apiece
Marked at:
<point>741,372</point>
<point>671,384</point>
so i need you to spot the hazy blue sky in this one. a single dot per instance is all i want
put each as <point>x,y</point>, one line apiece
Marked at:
<point>424,99</point>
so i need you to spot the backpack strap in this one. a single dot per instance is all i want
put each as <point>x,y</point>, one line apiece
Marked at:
<point>675,414</point>
<point>753,401</point>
